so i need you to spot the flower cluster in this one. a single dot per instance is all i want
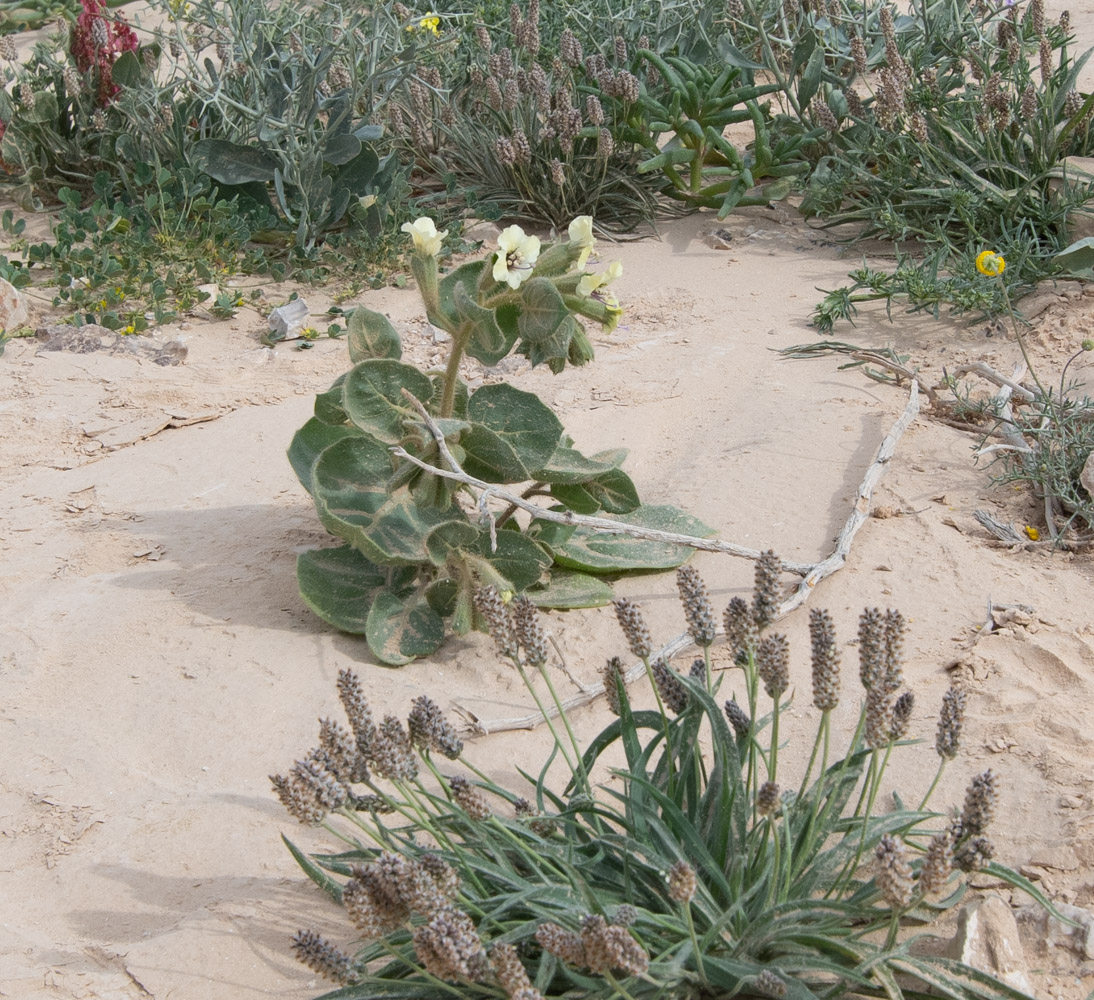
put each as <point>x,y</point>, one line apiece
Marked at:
<point>96,44</point>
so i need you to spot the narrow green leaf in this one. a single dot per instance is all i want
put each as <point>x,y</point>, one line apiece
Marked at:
<point>314,872</point>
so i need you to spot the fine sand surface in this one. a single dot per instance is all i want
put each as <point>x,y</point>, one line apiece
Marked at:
<point>157,663</point>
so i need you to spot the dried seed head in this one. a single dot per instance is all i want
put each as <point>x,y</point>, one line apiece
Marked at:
<point>27,96</point>
<point>498,617</point>
<point>167,114</point>
<point>767,798</point>
<point>627,87</point>
<point>594,110</point>
<point>738,719</point>
<point>979,809</point>
<point>505,63</point>
<point>612,676</point>
<point>540,825</point>
<point>634,627</point>
<point>773,664</point>
<point>917,127</point>
<point>824,116</point>
<point>1029,103</point>
<point>7,48</point>
<point>565,945</point>
<point>1065,22</point>
<point>855,107</point>
<point>526,619</point>
<point>1037,17</point>
<point>825,660</point>
<point>442,873</point>
<point>347,764</point>
<point>510,95</point>
<point>937,865</point>
<point>508,968</point>
<point>1046,60</point>
<point>871,648</point>
<point>625,915</point>
<point>620,47</point>
<point>74,83</point>
<point>951,720</point>
<point>879,718</point>
<point>317,772</point>
<point>974,854</point>
<point>493,93</point>
<point>374,906</point>
<point>741,632</point>
<point>609,946</point>
<point>390,753</point>
<point>429,730</point>
<point>356,708</point>
<point>401,11</point>
<point>482,38</point>
<point>894,876</point>
<point>682,882</point>
<point>298,798</point>
<point>1073,104</point>
<point>522,152</point>
<point>902,715</point>
<point>889,102</point>
<point>469,798</point>
<point>698,671</point>
<point>669,686</point>
<point>570,49</point>
<point>98,120</point>
<point>322,957</point>
<point>693,595</point>
<point>765,599</point>
<point>449,947</point>
<point>99,35</point>
<point>858,55</point>
<point>771,984</point>
<point>504,152</point>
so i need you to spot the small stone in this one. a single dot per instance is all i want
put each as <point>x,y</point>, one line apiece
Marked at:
<point>289,319</point>
<point>987,939</point>
<point>1061,857</point>
<point>477,231</point>
<point>13,307</point>
<point>1077,936</point>
<point>1086,477</point>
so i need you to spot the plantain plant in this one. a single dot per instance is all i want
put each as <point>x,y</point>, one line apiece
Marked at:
<point>417,544</point>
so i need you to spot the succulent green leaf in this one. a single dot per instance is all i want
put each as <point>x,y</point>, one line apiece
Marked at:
<point>373,397</point>
<point>309,442</point>
<point>517,557</point>
<point>328,405</point>
<point>487,342</point>
<point>403,627</point>
<point>127,70</point>
<point>575,497</point>
<point>231,163</point>
<point>542,310</point>
<point>613,491</point>
<point>341,148</point>
<point>355,503</point>
<point>371,335</point>
<point>338,585</point>
<point>512,433</point>
<point>568,589</point>
<point>568,465</point>
<point>596,552</point>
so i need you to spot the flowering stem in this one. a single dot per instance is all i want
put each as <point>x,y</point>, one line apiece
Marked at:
<point>934,784</point>
<point>452,373</point>
<point>670,770</point>
<point>581,772</point>
<point>694,941</point>
<point>547,718</point>
<point>617,986</point>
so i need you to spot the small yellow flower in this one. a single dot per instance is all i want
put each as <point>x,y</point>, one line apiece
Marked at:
<point>989,263</point>
<point>129,329</point>
<point>591,283</point>
<point>1032,533</point>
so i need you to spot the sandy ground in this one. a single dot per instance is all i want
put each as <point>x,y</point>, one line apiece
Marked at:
<point>157,663</point>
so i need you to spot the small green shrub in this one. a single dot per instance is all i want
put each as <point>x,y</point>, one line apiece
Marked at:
<point>691,867</point>
<point>417,543</point>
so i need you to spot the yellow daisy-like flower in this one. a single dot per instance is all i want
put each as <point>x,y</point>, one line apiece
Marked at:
<point>431,22</point>
<point>1032,533</point>
<point>990,263</point>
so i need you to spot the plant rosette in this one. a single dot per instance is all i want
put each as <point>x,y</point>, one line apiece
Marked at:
<point>418,544</point>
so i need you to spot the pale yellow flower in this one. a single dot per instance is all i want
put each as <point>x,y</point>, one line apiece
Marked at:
<point>591,283</point>
<point>990,263</point>
<point>516,254</point>
<point>427,240</point>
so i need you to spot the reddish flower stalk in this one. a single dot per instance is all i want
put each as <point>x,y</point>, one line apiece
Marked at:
<point>97,41</point>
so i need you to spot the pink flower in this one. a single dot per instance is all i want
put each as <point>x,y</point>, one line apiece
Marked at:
<point>97,41</point>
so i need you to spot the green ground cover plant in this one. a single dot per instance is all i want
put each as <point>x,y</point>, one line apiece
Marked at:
<point>417,544</point>
<point>672,856</point>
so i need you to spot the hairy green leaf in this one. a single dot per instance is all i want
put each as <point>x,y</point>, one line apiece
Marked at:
<point>512,433</point>
<point>371,335</point>
<point>307,444</point>
<point>373,397</point>
<point>402,627</point>
<point>338,585</point>
<point>568,589</point>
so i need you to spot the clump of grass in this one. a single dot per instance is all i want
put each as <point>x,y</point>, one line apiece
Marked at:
<point>676,859</point>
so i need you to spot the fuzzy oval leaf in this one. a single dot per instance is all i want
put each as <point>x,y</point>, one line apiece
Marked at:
<point>231,163</point>
<point>488,342</point>
<point>373,397</point>
<point>512,433</point>
<point>542,310</point>
<point>575,497</point>
<point>338,585</point>
<point>402,628</point>
<point>568,465</point>
<point>341,148</point>
<point>371,335</point>
<point>309,442</point>
<point>614,492</point>
<point>328,405</point>
<point>442,594</point>
<point>596,552</point>
<point>568,589</point>
<point>519,559</point>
